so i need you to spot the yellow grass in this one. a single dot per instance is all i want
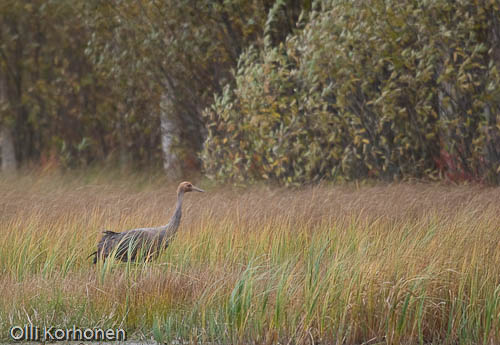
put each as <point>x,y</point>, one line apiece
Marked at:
<point>403,263</point>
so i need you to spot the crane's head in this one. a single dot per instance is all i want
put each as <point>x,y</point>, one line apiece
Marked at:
<point>185,187</point>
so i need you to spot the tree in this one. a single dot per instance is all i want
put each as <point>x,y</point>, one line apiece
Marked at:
<point>8,154</point>
<point>50,92</point>
<point>182,52</point>
<point>380,89</point>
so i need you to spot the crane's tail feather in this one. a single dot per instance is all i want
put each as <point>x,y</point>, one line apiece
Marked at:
<point>102,247</point>
<point>94,254</point>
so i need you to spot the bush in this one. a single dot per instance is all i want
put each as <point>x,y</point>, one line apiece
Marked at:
<point>385,89</point>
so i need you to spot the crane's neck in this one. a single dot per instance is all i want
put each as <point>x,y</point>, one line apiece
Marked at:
<point>174,222</point>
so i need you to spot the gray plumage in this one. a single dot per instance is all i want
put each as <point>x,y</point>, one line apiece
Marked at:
<point>147,242</point>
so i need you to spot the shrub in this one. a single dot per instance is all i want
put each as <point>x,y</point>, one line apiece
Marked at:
<point>385,89</point>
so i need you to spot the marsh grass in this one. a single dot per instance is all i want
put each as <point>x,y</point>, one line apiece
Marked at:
<point>395,264</point>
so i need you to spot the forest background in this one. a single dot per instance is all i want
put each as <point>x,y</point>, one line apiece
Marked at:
<point>288,91</point>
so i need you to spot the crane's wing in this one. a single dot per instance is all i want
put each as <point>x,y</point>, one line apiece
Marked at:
<point>107,244</point>
<point>143,241</point>
<point>125,245</point>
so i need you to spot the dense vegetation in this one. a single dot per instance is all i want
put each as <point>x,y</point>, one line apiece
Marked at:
<point>291,91</point>
<point>400,264</point>
<point>384,89</point>
<point>90,81</point>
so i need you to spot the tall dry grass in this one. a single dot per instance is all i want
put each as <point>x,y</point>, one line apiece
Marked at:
<point>405,263</point>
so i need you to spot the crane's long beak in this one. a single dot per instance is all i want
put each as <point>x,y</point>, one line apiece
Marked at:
<point>198,189</point>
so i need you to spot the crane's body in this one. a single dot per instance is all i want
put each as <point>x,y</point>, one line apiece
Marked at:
<point>143,241</point>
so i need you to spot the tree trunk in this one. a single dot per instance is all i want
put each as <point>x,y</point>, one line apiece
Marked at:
<point>122,135</point>
<point>169,132</point>
<point>7,152</point>
<point>9,163</point>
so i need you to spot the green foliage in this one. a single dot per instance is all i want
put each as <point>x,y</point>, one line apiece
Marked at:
<point>86,79</point>
<point>263,122</point>
<point>51,89</point>
<point>181,50</point>
<point>385,89</point>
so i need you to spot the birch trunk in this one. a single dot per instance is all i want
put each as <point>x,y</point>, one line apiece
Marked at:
<point>169,132</point>
<point>122,136</point>
<point>7,152</point>
<point>9,163</point>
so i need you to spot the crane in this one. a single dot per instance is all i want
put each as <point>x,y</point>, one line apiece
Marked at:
<point>146,241</point>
